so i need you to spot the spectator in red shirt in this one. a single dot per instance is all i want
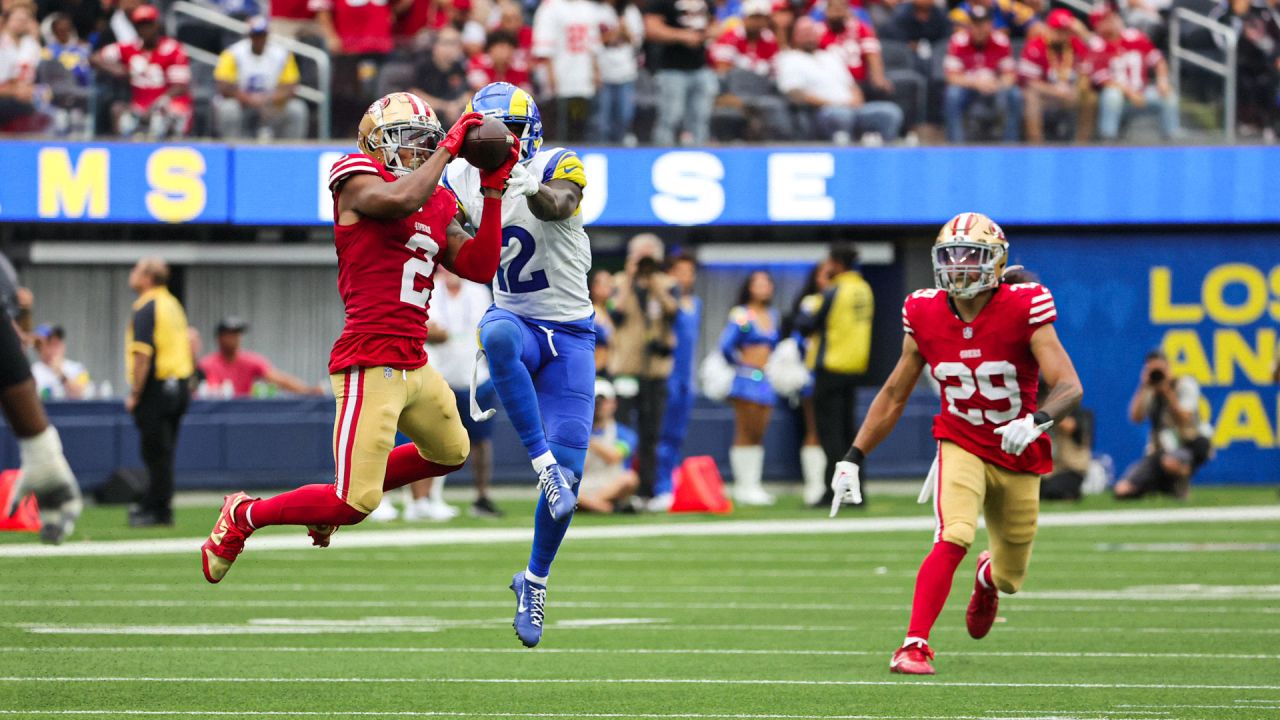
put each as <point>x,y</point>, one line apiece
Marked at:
<point>856,42</point>
<point>980,70</point>
<point>242,368</point>
<point>292,18</point>
<point>498,63</point>
<point>1121,61</point>
<point>159,78</point>
<point>1055,85</point>
<point>749,45</point>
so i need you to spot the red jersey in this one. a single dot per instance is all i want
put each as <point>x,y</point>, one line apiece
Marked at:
<point>246,369</point>
<point>291,10</point>
<point>363,26</point>
<point>853,45</point>
<point>964,56</point>
<point>1037,62</point>
<point>481,72</point>
<point>421,15</point>
<point>1126,60</point>
<point>385,276</point>
<point>989,376</point>
<point>735,49</point>
<point>151,72</point>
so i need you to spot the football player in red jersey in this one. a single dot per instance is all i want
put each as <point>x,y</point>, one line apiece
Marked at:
<point>988,343</point>
<point>393,223</point>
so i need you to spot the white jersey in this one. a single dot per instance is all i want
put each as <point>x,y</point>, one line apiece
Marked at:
<point>544,266</point>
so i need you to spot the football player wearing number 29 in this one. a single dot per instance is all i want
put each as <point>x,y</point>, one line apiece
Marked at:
<point>538,335</point>
<point>988,343</point>
<point>393,224</point>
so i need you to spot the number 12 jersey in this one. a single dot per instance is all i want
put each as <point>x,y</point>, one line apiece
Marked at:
<point>543,270</point>
<point>989,376</point>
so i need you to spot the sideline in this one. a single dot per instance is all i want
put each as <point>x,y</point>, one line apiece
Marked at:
<point>485,536</point>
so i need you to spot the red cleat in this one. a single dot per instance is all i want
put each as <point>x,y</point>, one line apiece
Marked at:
<point>320,534</point>
<point>983,604</point>
<point>912,659</point>
<point>226,541</point>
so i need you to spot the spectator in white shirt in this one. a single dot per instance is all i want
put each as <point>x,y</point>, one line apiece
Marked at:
<point>257,80</point>
<point>819,80</point>
<point>57,377</point>
<point>19,56</point>
<point>566,38</point>
<point>622,32</point>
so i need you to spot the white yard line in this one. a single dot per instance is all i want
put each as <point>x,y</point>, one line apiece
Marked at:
<point>623,651</point>
<point>817,526</point>
<point>1038,715</point>
<point>624,681</point>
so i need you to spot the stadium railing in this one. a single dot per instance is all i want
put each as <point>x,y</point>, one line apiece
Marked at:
<point>1226,67</point>
<point>319,95</point>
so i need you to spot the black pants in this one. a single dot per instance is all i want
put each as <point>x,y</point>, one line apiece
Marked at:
<point>835,407</point>
<point>644,412</point>
<point>157,416</point>
<point>1064,485</point>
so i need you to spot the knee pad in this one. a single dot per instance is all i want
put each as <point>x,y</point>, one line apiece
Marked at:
<point>364,500</point>
<point>961,534</point>
<point>501,339</point>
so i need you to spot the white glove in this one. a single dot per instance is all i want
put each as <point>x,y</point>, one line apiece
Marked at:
<point>522,182</point>
<point>846,487</point>
<point>1019,434</point>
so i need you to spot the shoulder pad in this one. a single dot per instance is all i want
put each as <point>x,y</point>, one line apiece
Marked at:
<point>351,164</point>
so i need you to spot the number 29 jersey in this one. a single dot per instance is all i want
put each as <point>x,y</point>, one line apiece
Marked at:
<point>542,273</point>
<point>385,276</point>
<point>989,376</point>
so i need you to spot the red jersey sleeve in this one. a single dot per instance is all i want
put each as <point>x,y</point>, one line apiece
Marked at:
<point>867,39</point>
<point>349,165</point>
<point>956,51</point>
<point>1033,63</point>
<point>1042,310</point>
<point>177,69</point>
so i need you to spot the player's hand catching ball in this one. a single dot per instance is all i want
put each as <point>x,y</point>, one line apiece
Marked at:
<point>523,182</point>
<point>1019,434</point>
<point>846,486</point>
<point>452,141</point>
<point>496,179</point>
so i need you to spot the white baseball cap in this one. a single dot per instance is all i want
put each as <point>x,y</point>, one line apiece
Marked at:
<point>604,389</point>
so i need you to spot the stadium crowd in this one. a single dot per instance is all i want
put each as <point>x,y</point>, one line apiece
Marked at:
<point>617,71</point>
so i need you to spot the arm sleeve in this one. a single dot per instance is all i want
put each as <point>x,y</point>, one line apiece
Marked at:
<point>290,75</point>
<point>348,165</point>
<point>225,71</point>
<point>477,259</point>
<point>144,329</point>
<point>568,167</point>
<point>729,338</point>
<point>1042,309</point>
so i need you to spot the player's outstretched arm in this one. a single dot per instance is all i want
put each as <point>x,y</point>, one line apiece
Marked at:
<point>371,196</point>
<point>1059,373</point>
<point>555,200</point>
<point>476,258</point>
<point>887,408</point>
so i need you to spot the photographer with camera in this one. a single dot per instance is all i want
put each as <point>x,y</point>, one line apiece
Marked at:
<point>1179,442</point>
<point>641,356</point>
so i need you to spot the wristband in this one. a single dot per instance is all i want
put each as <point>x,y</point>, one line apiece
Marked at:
<point>1041,418</point>
<point>855,456</point>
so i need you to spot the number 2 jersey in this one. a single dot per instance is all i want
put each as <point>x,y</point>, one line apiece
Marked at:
<point>385,270</point>
<point>988,374</point>
<point>543,270</point>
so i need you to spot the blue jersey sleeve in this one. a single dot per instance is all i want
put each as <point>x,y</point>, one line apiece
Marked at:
<point>739,324</point>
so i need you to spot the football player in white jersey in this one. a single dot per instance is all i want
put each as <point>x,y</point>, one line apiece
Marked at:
<point>539,335</point>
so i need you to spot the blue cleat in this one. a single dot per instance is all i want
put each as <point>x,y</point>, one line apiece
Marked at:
<point>531,597</point>
<point>556,484</point>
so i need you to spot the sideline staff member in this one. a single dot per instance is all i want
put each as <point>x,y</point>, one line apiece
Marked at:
<point>839,349</point>
<point>159,363</point>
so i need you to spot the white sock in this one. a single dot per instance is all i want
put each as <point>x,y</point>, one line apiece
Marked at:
<point>543,461</point>
<point>747,463</point>
<point>248,516</point>
<point>44,448</point>
<point>437,491</point>
<point>534,578</point>
<point>813,467</point>
<point>982,575</point>
<point>914,641</point>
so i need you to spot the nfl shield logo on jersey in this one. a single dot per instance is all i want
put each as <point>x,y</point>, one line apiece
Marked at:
<point>968,333</point>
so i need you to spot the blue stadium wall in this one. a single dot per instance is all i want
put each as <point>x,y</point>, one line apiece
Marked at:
<point>1143,247</point>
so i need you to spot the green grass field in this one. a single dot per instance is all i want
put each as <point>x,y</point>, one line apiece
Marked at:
<point>1171,619</point>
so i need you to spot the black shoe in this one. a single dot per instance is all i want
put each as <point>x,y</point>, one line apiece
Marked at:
<point>145,518</point>
<point>484,508</point>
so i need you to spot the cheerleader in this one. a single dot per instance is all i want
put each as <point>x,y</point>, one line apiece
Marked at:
<point>747,342</point>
